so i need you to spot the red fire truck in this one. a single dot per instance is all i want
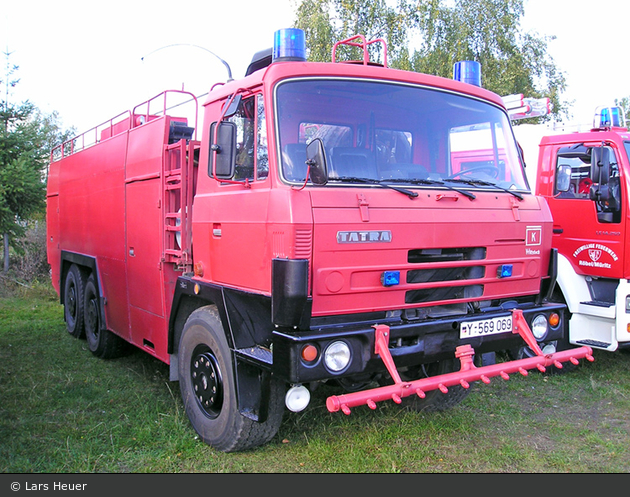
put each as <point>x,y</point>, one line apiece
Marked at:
<point>317,232</point>
<point>583,175</point>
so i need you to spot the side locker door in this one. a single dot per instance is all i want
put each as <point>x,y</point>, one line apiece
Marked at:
<point>144,236</point>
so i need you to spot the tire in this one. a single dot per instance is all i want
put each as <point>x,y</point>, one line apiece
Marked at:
<point>434,400</point>
<point>567,367</point>
<point>562,344</point>
<point>73,289</point>
<point>101,342</point>
<point>207,385</point>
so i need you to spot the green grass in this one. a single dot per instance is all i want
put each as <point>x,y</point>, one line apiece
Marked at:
<point>64,411</point>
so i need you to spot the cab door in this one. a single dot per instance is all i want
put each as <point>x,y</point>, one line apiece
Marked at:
<point>588,205</point>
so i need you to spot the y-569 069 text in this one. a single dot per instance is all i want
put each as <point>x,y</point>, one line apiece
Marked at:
<point>483,327</point>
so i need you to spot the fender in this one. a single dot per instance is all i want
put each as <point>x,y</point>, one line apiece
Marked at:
<point>246,319</point>
<point>573,285</point>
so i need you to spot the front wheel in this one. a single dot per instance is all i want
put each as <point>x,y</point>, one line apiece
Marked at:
<point>524,352</point>
<point>434,400</point>
<point>207,385</point>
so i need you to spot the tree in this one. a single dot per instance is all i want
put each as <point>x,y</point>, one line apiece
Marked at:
<point>624,103</point>
<point>326,21</point>
<point>430,36</point>
<point>489,32</point>
<point>26,138</point>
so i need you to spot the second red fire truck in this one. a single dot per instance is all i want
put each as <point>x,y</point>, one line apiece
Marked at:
<point>583,175</point>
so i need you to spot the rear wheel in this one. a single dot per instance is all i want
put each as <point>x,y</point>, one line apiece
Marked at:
<point>207,384</point>
<point>73,301</point>
<point>101,342</point>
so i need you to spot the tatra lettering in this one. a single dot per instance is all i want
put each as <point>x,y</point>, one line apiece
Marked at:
<point>364,236</point>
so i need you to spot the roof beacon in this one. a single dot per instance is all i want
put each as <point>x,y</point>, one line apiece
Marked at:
<point>609,117</point>
<point>289,44</point>
<point>467,71</point>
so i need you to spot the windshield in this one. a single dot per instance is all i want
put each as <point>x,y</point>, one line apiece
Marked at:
<point>395,133</point>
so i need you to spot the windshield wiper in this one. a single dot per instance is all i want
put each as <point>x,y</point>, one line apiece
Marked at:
<point>479,182</point>
<point>432,182</point>
<point>370,181</point>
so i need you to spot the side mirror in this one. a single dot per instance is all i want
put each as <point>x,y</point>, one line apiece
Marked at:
<point>316,158</point>
<point>222,160</point>
<point>600,165</point>
<point>233,106</point>
<point>563,178</point>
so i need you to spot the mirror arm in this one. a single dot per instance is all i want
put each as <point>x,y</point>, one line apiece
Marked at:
<point>308,163</point>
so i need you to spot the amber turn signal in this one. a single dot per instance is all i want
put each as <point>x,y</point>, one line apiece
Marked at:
<point>309,353</point>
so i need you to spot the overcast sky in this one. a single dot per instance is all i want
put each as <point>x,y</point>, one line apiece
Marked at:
<point>90,60</point>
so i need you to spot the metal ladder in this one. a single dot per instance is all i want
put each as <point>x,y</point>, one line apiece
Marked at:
<point>177,187</point>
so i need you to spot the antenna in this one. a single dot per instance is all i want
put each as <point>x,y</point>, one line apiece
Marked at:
<point>195,46</point>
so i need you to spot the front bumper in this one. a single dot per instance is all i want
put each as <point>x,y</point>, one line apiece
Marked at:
<point>410,343</point>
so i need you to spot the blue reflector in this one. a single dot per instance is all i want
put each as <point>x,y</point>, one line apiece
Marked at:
<point>390,278</point>
<point>504,271</point>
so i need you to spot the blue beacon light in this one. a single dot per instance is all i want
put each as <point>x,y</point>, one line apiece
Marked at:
<point>289,45</point>
<point>467,71</point>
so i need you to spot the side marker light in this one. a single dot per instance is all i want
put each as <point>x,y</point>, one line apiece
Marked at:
<point>390,278</point>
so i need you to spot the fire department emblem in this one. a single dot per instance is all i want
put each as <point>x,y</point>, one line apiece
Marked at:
<point>594,254</point>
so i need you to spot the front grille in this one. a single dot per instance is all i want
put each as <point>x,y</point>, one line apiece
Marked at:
<point>459,271</point>
<point>446,274</point>
<point>422,256</point>
<point>436,294</point>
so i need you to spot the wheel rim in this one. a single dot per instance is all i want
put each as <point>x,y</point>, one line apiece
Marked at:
<point>92,317</point>
<point>71,303</point>
<point>206,381</point>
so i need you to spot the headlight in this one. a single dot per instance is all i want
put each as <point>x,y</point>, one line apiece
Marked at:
<point>337,356</point>
<point>539,326</point>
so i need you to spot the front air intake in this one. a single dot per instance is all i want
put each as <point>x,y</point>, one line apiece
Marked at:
<point>445,265</point>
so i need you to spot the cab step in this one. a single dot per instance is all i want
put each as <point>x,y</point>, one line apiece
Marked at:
<point>593,343</point>
<point>598,303</point>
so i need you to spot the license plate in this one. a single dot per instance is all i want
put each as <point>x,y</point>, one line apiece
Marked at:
<point>484,327</point>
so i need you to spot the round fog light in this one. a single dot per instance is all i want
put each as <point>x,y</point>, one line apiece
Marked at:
<point>297,398</point>
<point>337,356</point>
<point>539,326</point>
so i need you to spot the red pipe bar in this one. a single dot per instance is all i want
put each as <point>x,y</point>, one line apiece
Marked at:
<point>467,374</point>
